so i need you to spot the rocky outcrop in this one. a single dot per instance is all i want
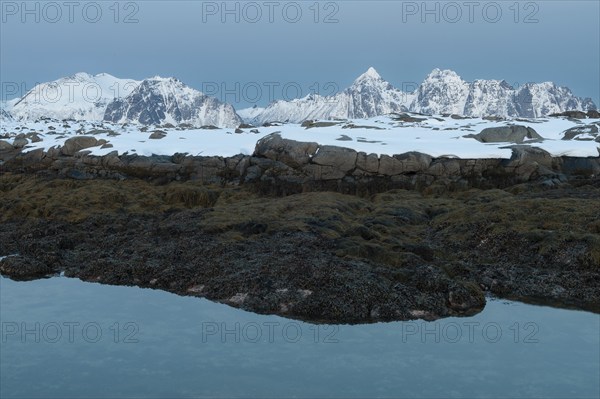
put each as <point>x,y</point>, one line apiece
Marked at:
<point>506,134</point>
<point>283,166</point>
<point>592,113</point>
<point>585,132</point>
<point>290,152</point>
<point>75,144</point>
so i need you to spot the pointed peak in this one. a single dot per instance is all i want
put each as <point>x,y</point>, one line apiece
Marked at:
<point>370,74</point>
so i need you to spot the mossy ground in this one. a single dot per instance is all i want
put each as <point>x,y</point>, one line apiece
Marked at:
<point>512,241</point>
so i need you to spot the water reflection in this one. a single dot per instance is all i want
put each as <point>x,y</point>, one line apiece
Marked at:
<point>65,338</point>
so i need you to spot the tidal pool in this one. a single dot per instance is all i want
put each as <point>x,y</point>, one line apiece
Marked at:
<point>63,338</point>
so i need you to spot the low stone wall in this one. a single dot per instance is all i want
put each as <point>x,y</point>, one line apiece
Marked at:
<point>282,166</point>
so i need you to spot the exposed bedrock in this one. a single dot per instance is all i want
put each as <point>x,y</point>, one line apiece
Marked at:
<point>283,166</point>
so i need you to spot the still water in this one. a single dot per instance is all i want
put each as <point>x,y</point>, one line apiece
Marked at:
<point>63,338</point>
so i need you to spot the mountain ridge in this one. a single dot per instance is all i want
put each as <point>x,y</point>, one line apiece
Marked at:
<point>443,91</point>
<point>159,100</point>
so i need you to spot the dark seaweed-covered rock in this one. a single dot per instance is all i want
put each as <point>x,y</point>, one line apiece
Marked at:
<point>24,268</point>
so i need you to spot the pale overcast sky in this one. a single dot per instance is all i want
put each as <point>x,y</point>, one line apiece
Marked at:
<point>307,44</point>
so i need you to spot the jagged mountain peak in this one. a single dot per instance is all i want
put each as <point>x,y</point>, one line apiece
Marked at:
<point>442,91</point>
<point>370,75</point>
<point>369,95</point>
<point>438,74</point>
<point>161,100</point>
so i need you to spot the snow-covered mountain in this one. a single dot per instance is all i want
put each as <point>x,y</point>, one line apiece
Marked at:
<point>167,100</point>
<point>81,96</point>
<point>539,99</point>
<point>442,92</point>
<point>368,96</point>
<point>248,114</point>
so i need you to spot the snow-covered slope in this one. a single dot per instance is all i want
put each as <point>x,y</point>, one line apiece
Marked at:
<point>248,114</point>
<point>81,96</point>
<point>167,100</point>
<point>368,96</point>
<point>392,134</point>
<point>442,92</point>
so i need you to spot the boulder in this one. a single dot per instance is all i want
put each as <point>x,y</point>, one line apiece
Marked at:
<point>368,163</point>
<point>571,114</point>
<point>5,146</point>
<point>309,124</point>
<point>506,134</point>
<point>78,143</point>
<point>340,158</point>
<point>34,137</point>
<point>20,142</point>
<point>157,135</point>
<point>444,167</point>
<point>576,131</point>
<point>290,152</point>
<point>525,161</point>
<point>592,113</point>
<point>414,161</point>
<point>389,166</point>
<point>404,117</point>
<point>409,162</point>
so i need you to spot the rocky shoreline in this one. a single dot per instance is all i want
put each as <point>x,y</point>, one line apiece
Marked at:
<point>319,233</point>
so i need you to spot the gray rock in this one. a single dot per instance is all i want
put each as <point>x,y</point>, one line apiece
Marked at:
<point>445,167</point>
<point>506,134</point>
<point>414,161</point>
<point>20,142</point>
<point>527,161</point>
<point>290,152</point>
<point>368,163</point>
<point>78,143</point>
<point>34,137</point>
<point>592,113</point>
<point>340,158</point>
<point>406,118</point>
<point>573,132</point>
<point>157,135</point>
<point>403,163</point>
<point>389,166</point>
<point>5,146</point>
<point>571,114</point>
<point>323,172</point>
